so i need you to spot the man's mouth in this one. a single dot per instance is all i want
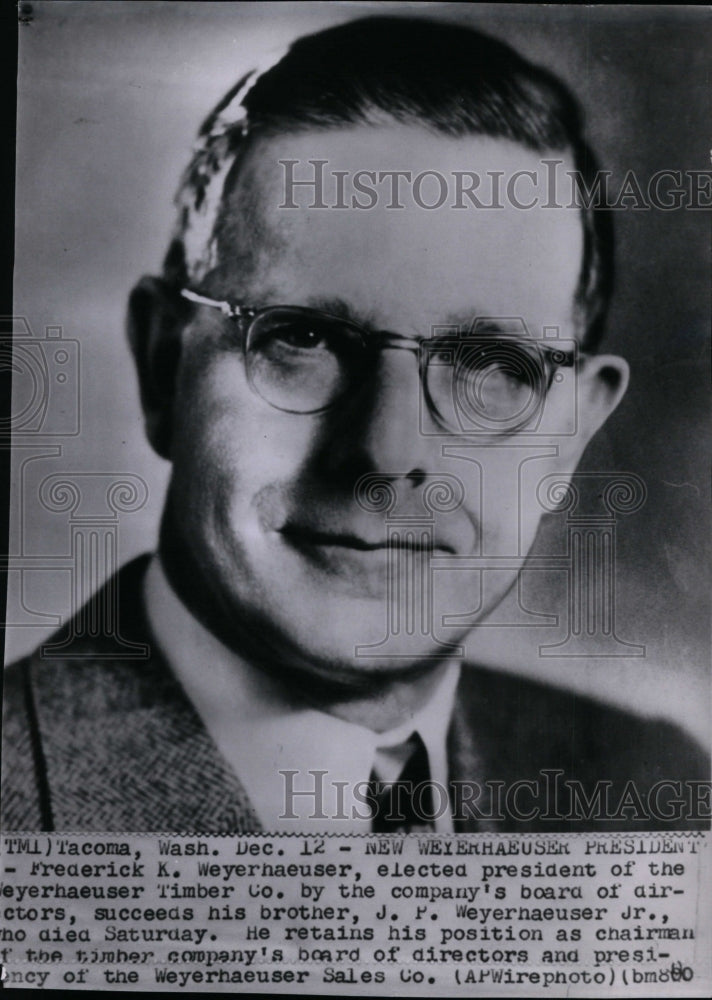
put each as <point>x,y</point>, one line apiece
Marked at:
<point>415,540</point>
<point>358,564</point>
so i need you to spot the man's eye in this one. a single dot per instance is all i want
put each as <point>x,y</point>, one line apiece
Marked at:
<point>304,337</point>
<point>501,365</point>
<point>499,372</point>
<point>441,355</point>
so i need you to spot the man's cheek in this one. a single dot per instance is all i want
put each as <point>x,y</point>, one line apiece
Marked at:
<point>244,434</point>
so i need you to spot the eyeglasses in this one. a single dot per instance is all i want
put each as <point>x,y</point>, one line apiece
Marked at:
<point>305,361</point>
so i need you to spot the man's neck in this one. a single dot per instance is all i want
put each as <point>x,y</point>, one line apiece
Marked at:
<point>391,702</point>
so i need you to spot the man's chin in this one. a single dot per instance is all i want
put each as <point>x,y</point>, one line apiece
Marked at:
<point>330,677</point>
<point>353,627</point>
<point>355,651</point>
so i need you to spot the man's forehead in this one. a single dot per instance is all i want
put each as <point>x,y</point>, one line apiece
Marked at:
<point>279,237</point>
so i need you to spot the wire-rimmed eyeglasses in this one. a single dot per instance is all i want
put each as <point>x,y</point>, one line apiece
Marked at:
<point>303,360</point>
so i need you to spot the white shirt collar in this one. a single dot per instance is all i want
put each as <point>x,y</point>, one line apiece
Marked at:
<point>261,735</point>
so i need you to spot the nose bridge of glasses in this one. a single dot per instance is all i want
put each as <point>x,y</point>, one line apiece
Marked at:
<point>387,340</point>
<point>421,347</point>
<point>399,395</point>
<point>385,419</point>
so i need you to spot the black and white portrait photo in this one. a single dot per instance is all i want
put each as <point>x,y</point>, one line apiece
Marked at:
<point>359,424</point>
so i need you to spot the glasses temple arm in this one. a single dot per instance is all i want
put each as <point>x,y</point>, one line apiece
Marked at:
<point>226,308</point>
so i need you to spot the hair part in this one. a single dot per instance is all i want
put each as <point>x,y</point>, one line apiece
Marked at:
<point>450,79</point>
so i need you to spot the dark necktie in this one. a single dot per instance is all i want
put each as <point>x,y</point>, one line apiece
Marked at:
<point>405,805</point>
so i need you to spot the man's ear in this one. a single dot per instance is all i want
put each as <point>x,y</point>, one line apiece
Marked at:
<point>154,323</point>
<point>602,383</point>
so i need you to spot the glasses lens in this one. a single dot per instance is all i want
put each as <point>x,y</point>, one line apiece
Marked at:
<point>299,361</point>
<point>487,386</point>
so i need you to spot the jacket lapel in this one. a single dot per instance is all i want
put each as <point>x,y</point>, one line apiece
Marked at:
<point>469,758</point>
<point>122,747</point>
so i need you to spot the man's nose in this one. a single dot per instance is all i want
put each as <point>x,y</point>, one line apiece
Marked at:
<point>384,426</point>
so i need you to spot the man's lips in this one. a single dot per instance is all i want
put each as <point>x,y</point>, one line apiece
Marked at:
<point>329,527</point>
<point>414,539</point>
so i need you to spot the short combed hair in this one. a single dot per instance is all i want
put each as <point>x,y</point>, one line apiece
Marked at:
<point>451,79</point>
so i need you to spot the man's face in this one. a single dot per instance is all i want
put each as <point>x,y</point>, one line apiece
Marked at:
<point>263,500</point>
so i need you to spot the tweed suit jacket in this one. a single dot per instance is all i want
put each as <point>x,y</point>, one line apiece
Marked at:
<point>98,741</point>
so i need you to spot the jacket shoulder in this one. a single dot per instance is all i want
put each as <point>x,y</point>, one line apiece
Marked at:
<point>101,735</point>
<point>73,676</point>
<point>601,767</point>
<point>556,727</point>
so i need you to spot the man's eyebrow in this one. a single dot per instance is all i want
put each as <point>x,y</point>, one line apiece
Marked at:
<point>465,322</point>
<point>477,320</point>
<point>340,308</point>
